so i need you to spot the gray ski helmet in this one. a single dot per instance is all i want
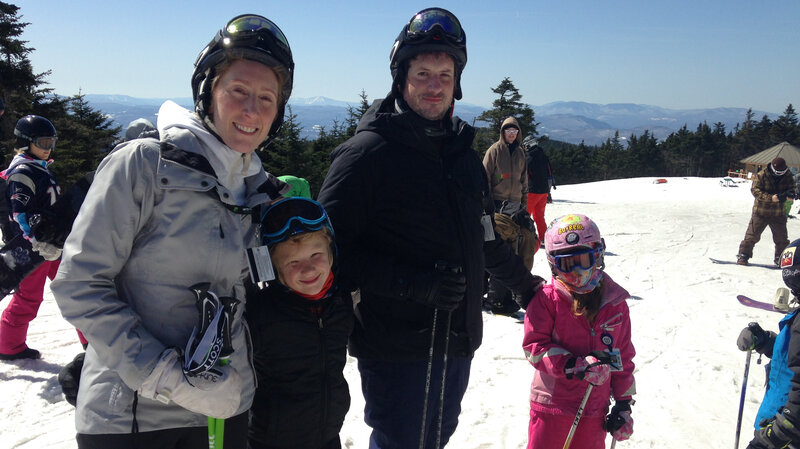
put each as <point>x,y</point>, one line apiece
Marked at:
<point>256,38</point>
<point>33,127</point>
<point>790,267</point>
<point>430,30</point>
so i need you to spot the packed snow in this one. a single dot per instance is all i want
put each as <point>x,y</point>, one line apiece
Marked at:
<point>684,312</point>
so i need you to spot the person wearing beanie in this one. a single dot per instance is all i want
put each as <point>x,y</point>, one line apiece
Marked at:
<point>141,127</point>
<point>300,186</point>
<point>410,202</point>
<point>771,187</point>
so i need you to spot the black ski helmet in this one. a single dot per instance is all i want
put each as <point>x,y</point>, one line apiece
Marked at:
<point>790,267</point>
<point>32,127</point>
<point>254,37</point>
<point>430,30</point>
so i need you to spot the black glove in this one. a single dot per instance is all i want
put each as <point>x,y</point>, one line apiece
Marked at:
<point>614,421</point>
<point>782,196</point>
<point>523,219</point>
<point>778,433</point>
<point>752,338</point>
<point>441,288</point>
<point>50,228</point>
<point>70,378</point>
<point>535,283</point>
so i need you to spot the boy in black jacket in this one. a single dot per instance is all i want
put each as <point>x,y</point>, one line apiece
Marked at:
<point>300,324</point>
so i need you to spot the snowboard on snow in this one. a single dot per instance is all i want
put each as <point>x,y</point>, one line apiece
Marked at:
<point>17,257</point>
<point>749,302</point>
<point>17,260</point>
<point>749,264</point>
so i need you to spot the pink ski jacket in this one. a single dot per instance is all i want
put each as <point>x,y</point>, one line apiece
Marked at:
<point>553,334</point>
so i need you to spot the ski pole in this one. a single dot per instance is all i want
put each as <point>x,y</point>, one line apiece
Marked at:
<point>741,399</point>
<point>428,381</point>
<point>444,378</point>
<point>578,417</point>
<point>613,442</point>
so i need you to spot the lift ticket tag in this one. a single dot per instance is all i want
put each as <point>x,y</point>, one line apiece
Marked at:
<point>261,269</point>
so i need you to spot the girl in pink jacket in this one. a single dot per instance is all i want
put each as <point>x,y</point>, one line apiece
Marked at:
<point>577,333</point>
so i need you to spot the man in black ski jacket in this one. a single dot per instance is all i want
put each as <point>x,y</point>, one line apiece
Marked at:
<point>412,212</point>
<point>539,175</point>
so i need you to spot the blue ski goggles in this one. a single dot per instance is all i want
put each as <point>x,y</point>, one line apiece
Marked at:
<point>292,216</point>
<point>585,259</point>
<point>434,22</point>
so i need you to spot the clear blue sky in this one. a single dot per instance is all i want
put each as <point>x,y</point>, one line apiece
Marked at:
<point>678,54</point>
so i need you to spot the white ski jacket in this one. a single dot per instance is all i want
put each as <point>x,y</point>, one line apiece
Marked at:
<point>156,220</point>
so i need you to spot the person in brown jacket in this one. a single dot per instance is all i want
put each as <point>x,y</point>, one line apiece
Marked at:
<point>771,187</point>
<point>505,165</point>
<point>507,171</point>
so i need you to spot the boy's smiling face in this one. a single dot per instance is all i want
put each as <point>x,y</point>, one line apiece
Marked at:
<point>304,264</point>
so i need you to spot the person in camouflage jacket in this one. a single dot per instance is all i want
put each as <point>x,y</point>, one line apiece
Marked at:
<point>771,187</point>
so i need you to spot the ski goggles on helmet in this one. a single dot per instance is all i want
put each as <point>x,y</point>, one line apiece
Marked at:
<point>292,216</point>
<point>435,23</point>
<point>584,259</point>
<point>249,32</point>
<point>45,143</point>
<point>256,28</point>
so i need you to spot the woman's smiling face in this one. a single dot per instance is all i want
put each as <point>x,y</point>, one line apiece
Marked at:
<point>244,104</point>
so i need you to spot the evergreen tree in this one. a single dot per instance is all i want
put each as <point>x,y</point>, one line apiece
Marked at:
<point>85,136</point>
<point>19,85</point>
<point>508,104</point>
<point>354,114</point>
<point>785,128</point>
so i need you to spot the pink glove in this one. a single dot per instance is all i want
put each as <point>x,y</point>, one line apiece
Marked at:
<point>624,432</point>
<point>588,368</point>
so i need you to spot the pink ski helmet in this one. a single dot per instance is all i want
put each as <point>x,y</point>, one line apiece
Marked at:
<point>575,252</point>
<point>571,231</point>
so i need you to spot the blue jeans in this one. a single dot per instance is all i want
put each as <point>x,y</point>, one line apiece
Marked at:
<point>395,393</point>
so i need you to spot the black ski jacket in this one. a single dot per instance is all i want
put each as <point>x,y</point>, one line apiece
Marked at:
<point>299,353</point>
<point>539,171</point>
<point>400,204</point>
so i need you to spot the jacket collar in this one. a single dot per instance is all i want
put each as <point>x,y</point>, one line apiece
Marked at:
<point>406,128</point>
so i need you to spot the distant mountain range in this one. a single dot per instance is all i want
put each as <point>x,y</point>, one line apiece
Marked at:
<point>568,121</point>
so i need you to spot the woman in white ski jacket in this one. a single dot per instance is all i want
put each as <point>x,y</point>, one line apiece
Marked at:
<point>160,218</point>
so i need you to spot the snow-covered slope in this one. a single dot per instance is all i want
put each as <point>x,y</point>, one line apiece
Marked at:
<point>685,324</point>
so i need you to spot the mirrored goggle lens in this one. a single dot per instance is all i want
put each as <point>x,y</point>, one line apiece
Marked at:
<point>281,216</point>
<point>253,24</point>
<point>511,130</point>
<point>45,143</point>
<point>568,262</point>
<point>426,21</point>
